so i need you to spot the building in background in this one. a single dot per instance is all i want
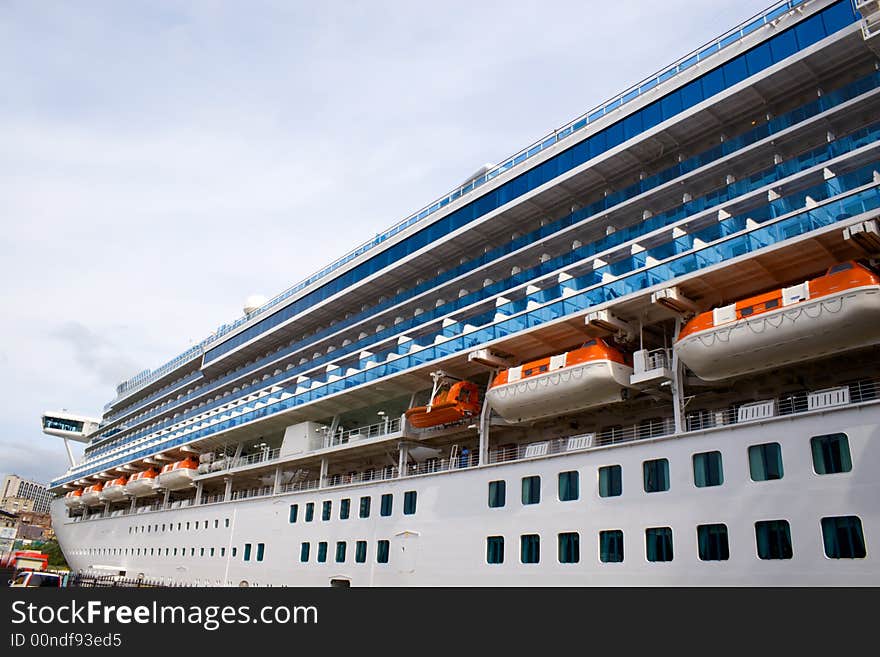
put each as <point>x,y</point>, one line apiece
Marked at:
<point>19,495</point>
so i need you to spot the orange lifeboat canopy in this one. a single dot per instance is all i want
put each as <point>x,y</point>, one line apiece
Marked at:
<point>188,463</point>
<point>452,403</point>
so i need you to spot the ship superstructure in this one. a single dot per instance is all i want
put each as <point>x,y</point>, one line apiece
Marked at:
<point>642,350</point>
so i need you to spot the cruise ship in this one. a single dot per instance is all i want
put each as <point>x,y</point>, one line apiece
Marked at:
<point>644,350</point>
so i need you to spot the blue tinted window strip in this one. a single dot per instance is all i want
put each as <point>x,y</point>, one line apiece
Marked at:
<point>731,247</point>
<point>711,233</point>
<point>833,18</point>
<point>779,123</point>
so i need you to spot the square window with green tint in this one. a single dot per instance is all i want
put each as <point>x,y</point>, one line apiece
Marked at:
<point>322,551</point>
<point>569,488</point>
<point>765,462</point>
<point>360,552</point>
<point>382,549</point>
<point>611,546</point>
<point>495,549</point>
<point>610,481</point>
<point>304,552</point>
<point>656,474</point>
<point>658,543</point>
<point>497,494</point>
<point>530,548</point>
<point>712,542</point>
<point>773,538</point>
<point>831,454</point>
<point>569,547</point>
<point>365,507</point>
<point>531,490</point>
<point>708,470</point>
<point>409,502</point>
<point>386,504</point>
<point>843,537</point>
<point>344,508</point>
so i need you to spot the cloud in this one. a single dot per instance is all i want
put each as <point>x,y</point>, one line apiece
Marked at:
<point>95,354</point>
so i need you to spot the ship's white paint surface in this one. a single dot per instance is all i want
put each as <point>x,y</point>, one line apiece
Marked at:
<point>444,542</point>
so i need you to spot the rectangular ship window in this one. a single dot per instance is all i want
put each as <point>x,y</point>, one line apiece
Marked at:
<point>531,490</point>
<point>340,552</point>
<point>831,454</point>
<point>773,538</point>
<point>382,552</point>
<point>344,508</point>
<point>712,542</point>
<point>610,481</point>
<point>529,548</point>
<point>322,551</point>
<point>409,502</point>
<point>294,511</point>
<point>569,548</point>
<point>310,511</point>
<point>765,462</point>
<point>569,488</point>
<point>360,552</point>
<point>658,543</point>
<point>611,546</point>
<point>497,490</point>
<point>385,505</point>
<point>843,537</point>
<point>326,510</point>
<point>247,551</point>
<point>708,470</point>
<point>304,552</point>
<point>495,549</point>
<point>656,475</point>
<point>365,507</point>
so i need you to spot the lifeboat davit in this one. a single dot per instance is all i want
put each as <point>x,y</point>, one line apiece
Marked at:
<point>450,402</point>
<point>819,317</point>
<point>594,375</point>
<point>143,483</point>
<point>114,490</point>
<point>179,474</point>
<point>91,496</point>
<point>72,500</point>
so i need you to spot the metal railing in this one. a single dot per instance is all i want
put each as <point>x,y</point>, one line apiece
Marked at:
<point>431,465</point>
<point>387,426</point>
<point>788,404</point>
<point>261,491</point>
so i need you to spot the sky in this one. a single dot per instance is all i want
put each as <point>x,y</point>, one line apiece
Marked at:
<point>162,161</point>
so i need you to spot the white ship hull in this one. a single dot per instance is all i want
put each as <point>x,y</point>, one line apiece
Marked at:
<point>808,330</point>
<point>426,550</point>
<point>559,392</point>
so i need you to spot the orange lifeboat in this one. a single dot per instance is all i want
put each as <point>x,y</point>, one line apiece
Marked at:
<point>143,483</point>
<point>179,474</point>
<point>72,499</point>
<point>450,402</point>
<point>593,375</point>
<point>91,495</point>
<point>818,317</point>
<point>114,490</point>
